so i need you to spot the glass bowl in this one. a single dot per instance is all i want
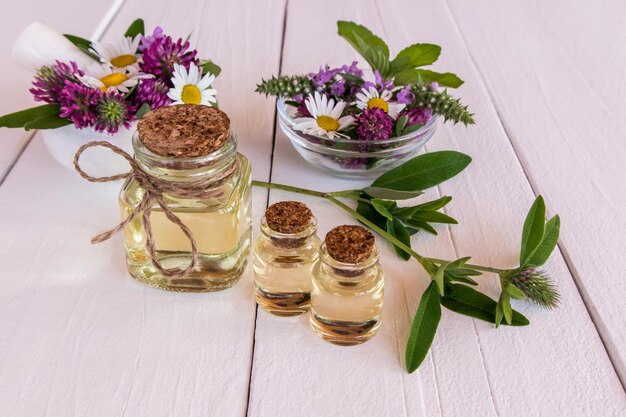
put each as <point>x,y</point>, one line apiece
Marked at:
<point>353,158</point>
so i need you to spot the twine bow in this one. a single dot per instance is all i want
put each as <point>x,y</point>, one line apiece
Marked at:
<point>154,190</point>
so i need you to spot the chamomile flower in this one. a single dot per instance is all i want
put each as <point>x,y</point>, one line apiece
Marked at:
<point>325,117</point>
<point>108,79</point>
<point>190,87</point>
<point>120,55</point>
<point>369,98</point>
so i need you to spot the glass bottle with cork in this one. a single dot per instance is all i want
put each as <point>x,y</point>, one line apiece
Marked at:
<point>348,285</point>
<point>284,256</point>
<point>190,151</point>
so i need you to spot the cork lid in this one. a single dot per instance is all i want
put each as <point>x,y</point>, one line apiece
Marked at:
<point>288,217</point>
<point>349,244</point>
<point>184,131</point>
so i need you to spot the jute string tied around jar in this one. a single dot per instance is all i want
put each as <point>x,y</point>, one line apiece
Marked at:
<point>154,190</point>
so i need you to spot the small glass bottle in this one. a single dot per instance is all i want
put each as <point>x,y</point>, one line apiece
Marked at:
<point>180,144</point>
<point>284,256</point>
<point>348,284</point>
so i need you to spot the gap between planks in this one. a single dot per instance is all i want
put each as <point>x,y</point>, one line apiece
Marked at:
<point>267,201</point>
<point>564,253</point>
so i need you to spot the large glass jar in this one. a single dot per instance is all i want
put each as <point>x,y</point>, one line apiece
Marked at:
<point>347,297</point>
<point>283,261</point>
<point>220,221</point>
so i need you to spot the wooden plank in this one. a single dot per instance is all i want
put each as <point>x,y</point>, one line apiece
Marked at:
<point>472,369</point>
<point>15,80</point>
<point>79,336</point>
<point>557,89</point>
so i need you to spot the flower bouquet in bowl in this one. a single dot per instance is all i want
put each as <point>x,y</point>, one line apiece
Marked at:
<point>339,120</point>
<point>95,91</point>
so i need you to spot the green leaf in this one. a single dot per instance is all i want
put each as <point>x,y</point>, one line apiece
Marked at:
<point>51,121</point>
<point>21,118</point>
<point>371,47</point>
<point>421,76</point>
<point>352,78</point>
<point>401,124</point>
<point>390,194</point>
<point>210,67</point>
<point>548,242</point>
<point>371,214</point>
<point>470,302</point>
<point>416,55</point>
<point>135,28</point>
<point>499,312</point>
<point>453,277</point>
<point>433,216</point>
<point>533,231</point>
<point>424,328</point>
<point>82,44</point>
<point>397,229</point>
<point>428,206</point>
<point>423,171</point>
<point>143,110</point>
<point>381,207</point>
<point>438,278</point>
<point>421,225</point>
<point>515,292</point>
<point>505,297</point>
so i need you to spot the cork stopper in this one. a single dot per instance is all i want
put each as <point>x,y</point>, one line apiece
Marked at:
<point>288,217</point>
<point>184,131</point>
<point>350,244</point>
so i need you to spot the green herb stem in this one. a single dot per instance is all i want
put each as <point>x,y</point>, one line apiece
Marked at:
<point>288,188</point>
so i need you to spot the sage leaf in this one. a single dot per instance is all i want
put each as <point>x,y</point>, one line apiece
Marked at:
<point>548,242</point>
<point>421,225</point>
<point>83,44</point>
<point>533,231</point>
<point>412,128</point>
<point>429,206</point>
<point>20,118</point>
<point>390,194</point>
<point>135,28</point>
<point>433,217</point>
<point>470,302</point>
<point>423,171</point>
<point>424,328</point>
<point>397,229</point>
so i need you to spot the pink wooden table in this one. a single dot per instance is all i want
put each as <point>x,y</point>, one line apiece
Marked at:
<point>547,81</point>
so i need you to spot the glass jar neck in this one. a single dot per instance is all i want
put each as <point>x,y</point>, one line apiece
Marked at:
<point>288,240</point>
<point>215,164</point>
<point>349,272</point>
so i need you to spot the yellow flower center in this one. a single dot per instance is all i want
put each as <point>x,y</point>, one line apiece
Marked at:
<point>122,61</point>
<point>191,94</point>
<point>378,102</point>
<point>328,123</point>
<point>113,80</point>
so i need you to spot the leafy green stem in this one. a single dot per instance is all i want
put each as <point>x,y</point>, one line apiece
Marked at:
<point>471,266</point>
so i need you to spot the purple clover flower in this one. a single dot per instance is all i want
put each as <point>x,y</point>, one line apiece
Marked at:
<point>161,53</point>
<point>112,112</point>
<point>417,115</point>
<point>405,96</point>
<point>373,124</point>
<point>50,80</point>
<point>153,92</point>
<point>78,103</point>
<point>147,41</point>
